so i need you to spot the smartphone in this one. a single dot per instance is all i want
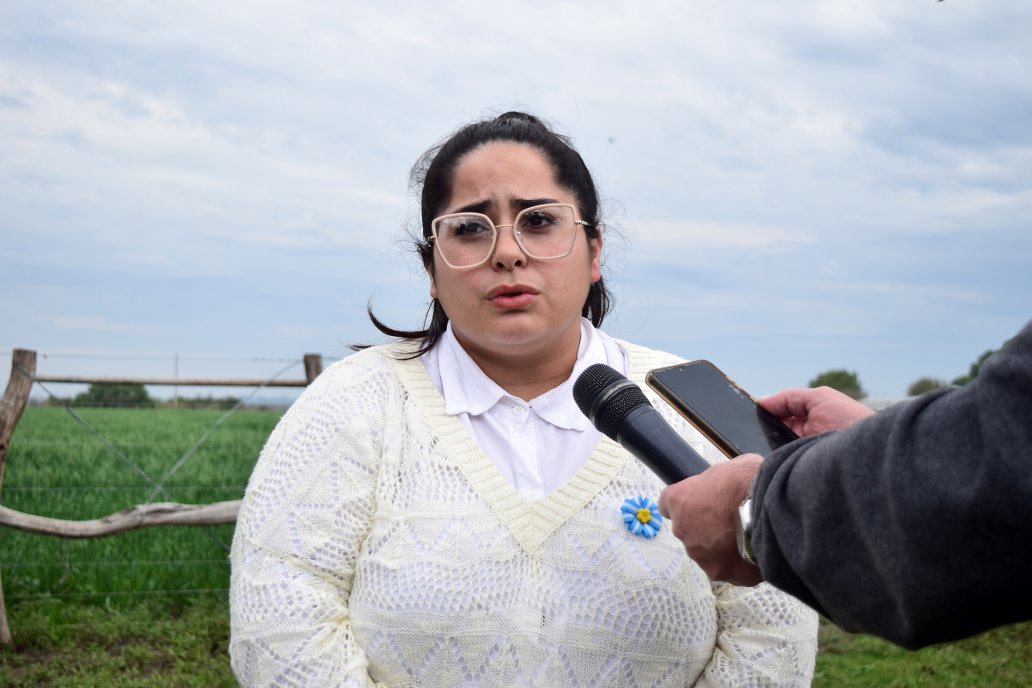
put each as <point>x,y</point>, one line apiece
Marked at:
<point>719,409</point>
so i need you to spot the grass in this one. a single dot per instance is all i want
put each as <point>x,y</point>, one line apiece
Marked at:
<point>1001,658</point>
<point>59,468</point>
<point>146,645</point>
<point>144,608</point>
<point>148,608</point>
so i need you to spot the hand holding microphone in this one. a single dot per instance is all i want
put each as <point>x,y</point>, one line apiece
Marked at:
<point>620,410</point>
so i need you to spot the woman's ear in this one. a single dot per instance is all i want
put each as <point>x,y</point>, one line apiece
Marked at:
<point>433,285</point>
<point>595,245</point>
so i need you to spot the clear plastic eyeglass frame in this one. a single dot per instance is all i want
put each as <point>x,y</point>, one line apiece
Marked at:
<point>516,234</point>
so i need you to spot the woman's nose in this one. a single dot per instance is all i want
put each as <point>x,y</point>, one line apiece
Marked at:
<point>507,252</point>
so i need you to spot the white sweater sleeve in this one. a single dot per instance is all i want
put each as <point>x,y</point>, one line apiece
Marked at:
<point>765,638</point>
<point>306,512</point>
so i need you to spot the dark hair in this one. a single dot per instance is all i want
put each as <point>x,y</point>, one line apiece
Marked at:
<point>433,175</point>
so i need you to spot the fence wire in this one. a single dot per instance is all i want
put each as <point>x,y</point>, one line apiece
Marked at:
<point>72,578</point>
<point>159,485</point>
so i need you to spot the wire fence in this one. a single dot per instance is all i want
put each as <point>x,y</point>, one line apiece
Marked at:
<point>75,463</point>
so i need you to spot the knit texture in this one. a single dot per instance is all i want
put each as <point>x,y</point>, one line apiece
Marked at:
<point>378,545</point>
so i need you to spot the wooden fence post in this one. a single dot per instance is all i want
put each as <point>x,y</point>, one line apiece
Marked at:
<point>313,366</point>
<point>23,370</point>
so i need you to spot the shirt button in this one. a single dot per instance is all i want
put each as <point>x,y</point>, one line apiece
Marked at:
<point>533,494</point>
<point>518,410</point>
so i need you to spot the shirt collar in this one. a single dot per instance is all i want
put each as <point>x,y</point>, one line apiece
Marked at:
<point>466,389</point>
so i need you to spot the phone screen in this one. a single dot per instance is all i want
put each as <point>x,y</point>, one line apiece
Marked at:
<point>720,409</point>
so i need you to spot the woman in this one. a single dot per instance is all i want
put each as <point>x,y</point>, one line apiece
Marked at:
<point>436,511</point>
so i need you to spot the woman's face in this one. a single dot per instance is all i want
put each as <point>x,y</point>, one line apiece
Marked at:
<point>513,306</point>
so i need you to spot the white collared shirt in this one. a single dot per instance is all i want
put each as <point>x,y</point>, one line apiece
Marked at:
<point>537,445</point>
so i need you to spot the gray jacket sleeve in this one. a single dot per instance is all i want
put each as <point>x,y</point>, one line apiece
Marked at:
<point>915,524</point>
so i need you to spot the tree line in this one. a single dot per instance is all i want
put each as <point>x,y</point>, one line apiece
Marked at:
<point>848,382</point>
<point>135,395</point>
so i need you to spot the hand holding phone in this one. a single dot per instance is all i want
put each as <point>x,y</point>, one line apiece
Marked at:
<point>718,408</point>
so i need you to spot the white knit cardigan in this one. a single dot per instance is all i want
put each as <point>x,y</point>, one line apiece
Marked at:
<point>378,545</point>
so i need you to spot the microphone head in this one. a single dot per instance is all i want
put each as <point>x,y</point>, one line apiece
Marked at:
<point>606,397</point>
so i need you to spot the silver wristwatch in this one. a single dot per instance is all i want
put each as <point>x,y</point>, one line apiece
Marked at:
<point>743,530</point>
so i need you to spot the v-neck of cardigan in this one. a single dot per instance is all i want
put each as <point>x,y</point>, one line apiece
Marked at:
<point>530,521</point>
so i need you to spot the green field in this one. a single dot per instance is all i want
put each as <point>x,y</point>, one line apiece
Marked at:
<point>61,468</point>
<point>148,608</point>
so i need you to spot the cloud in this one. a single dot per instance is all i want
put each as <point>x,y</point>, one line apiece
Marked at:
<point>201,172</point>
<point>94,324</point>
<point>660,238</point>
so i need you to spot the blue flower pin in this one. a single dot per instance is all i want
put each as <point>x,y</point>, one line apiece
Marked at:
<point>641,516</point>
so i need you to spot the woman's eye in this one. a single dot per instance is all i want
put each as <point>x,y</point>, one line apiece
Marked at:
<point>539,219</point>
<point>469,228</point>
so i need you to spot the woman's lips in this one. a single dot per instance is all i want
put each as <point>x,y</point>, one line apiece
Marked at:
<point>512,296</point>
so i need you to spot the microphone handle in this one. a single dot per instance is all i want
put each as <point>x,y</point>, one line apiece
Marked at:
<point>648,437</point>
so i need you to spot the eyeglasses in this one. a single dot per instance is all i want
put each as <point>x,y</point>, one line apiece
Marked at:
<point>543,232</point>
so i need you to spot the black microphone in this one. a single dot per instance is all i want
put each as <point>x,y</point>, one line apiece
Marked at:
<point>620,411</point>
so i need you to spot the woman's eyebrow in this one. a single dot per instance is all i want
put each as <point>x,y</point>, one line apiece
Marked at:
<point>518,203</point>
<point>524,203</point>
<point>479,207</point>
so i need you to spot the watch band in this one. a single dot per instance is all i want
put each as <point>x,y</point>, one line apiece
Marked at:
<point>743,530</point>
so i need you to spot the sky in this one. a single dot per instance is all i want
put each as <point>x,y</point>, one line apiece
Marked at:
<point>214,189</point>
